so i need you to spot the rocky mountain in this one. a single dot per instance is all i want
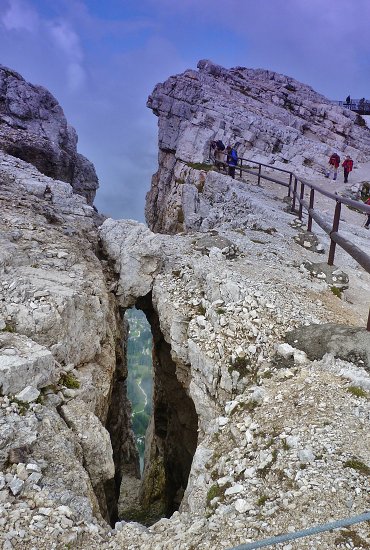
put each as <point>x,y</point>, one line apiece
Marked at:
<point>270,117</point>
<point>33,128</point>
<point>261,370</point>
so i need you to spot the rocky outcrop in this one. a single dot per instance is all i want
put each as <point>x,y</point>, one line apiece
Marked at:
<point>254,431</point>
<point>271,118</point>
<point>224,320</point>
<point>60,342</point>
<point>33,128</point>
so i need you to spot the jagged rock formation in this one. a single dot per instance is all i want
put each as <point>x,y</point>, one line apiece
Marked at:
<point>251,436</point>
<point>271,117</point>
<point>258,463</point>
<point>33,128</point>
<point>60,352</point>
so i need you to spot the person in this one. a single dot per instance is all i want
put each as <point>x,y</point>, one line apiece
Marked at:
<point>348,99</point>
<point>219,155</point>
<point>347,167</point>
<point>232,160</point>
<point>334,162</point>
<point>367,224</point>
<point>361,105</point>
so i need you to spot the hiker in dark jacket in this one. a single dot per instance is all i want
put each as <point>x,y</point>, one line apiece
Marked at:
<point>367,224</point>
<point>232,160</point>
<point>334,162</point>
<point>347,167</point>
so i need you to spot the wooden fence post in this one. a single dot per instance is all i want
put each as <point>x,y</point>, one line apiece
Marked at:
<point>334,230</point>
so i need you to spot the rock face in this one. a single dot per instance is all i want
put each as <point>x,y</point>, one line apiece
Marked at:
<point>271,118</point>
<point>60,344</point>
<point>33,128</point>
<point>225,323</point>
<point>255,432</point>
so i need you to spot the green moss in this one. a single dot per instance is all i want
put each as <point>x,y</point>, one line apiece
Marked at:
<point>201,310</point>
<point>8,328</point>
<point>336,291</point>
<point>155,485</point>
<point>22,405</point>
<point>213,492</point>
<point>357,465</point>
<point>220,310</point>
<point>200,166</point>
<point>358,392</point>
<point>69,381</point>
<point>40,400</point>
<point>262,500</point>
<point>244,367</point>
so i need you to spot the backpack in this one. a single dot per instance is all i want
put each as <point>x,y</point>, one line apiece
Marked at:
<point>234,155</point>
<point>334,159</point>
<point>220,145</point>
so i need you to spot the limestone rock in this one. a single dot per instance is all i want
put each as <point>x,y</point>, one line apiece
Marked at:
<point>33,128</point>
<point>94,440</point>
<point>270,117</point>
<point>22,361</point>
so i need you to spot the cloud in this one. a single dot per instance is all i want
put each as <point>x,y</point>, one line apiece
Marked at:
<point>65,38</point>
<point>102,59</point>
<point>68,42</point>
<point>20,16</point>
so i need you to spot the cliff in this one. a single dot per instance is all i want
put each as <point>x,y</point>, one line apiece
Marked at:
<point>260,370</point>
<point>271,118</point>
<point>33,128</point>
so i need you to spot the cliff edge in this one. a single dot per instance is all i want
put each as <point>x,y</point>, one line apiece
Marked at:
<point>33,128</point>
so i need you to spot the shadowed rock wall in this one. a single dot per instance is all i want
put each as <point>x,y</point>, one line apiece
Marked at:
<point>33,128</point>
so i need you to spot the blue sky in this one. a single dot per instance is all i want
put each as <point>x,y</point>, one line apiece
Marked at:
<point>101,60</point>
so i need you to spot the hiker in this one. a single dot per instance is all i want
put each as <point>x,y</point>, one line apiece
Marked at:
<point>219,155</point>
<point>347,167</point>
<point>232,160</point>
<point>334,162</point>
<point>348,99</point>
<point>367,224</point>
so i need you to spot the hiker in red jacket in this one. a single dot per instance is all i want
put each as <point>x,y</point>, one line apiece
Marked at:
<point>334,162</point>
<point>347,167</point>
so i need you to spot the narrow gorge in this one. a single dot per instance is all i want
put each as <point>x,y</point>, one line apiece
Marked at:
<point>260,410</point>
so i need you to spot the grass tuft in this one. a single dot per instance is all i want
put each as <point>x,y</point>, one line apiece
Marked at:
<point>356,391</point>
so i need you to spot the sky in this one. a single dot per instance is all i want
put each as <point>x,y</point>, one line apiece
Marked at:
<point>102,58</point>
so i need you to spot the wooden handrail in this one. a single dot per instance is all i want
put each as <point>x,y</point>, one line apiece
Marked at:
<point>354,251</point>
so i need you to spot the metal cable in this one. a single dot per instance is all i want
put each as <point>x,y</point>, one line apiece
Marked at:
<point>304,533</point>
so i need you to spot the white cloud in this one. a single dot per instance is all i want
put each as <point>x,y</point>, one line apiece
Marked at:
<point>20,16</point>
<point>66,39</point>
<point>68,42</point>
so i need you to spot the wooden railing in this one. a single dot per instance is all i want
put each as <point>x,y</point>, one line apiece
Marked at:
<point>360,106</point>
<point>297,189</point>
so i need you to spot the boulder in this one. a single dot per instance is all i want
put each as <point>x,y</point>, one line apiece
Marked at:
<point>23,361</point>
